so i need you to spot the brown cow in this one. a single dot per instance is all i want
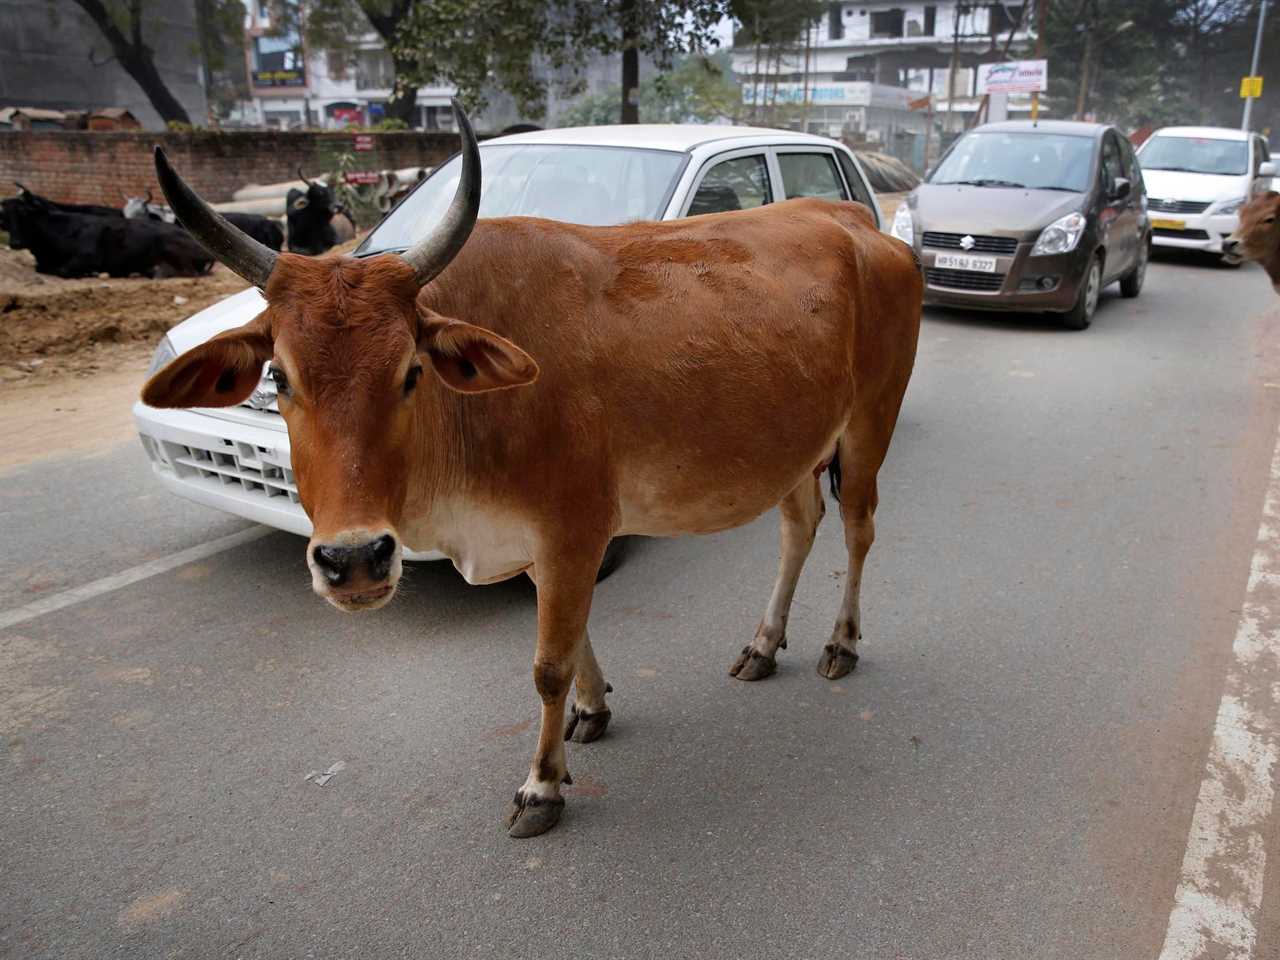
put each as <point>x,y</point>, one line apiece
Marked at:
<point>1257,235</point>
<point>518,401</point>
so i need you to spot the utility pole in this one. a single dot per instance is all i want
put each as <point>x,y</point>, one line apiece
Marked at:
<point>1042,8</point>
<point>1087,10</point>
<point>957,11</point>
<point>1253,70</point>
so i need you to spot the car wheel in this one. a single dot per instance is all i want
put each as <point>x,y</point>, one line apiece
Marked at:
<point>1081,315</point>
<point>1131,282</point>
<point>612,557</point>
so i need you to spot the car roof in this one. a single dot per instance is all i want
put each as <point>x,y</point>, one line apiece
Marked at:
<point>680,137</point>
<point>1069,127</point>
<point>1204,133</point>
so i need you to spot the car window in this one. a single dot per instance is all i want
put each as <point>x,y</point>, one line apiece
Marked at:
<point>739,183</point>
<point>1132,169</point>
<point>1259,154</point>
<point>811,175</point>
<point>1112,165</point>
<point>859,188</point>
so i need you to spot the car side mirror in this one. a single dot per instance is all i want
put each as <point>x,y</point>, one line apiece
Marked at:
<point>1121,188</point>
<point>1266,169</point>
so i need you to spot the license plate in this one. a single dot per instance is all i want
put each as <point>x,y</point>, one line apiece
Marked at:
<point>960,261</point>
<point>1169,224</point>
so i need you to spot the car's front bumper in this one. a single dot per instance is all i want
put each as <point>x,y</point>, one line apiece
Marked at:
<point>238,463</point>
<point>1016,285</point>
<point>1187,231</point>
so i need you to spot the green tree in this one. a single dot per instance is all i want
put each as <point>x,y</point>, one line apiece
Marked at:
<point>778,30</point>
<point>122,24</point>
<point>220,25</point>
<point>699,89</point>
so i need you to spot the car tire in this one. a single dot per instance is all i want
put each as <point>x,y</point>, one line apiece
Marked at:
<point>612,558</point>
<point>1131,282</point>
<point>1081,315</point>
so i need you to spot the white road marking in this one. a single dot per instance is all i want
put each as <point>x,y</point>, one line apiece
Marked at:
<point>56,601</point>
<point>1219,895</point>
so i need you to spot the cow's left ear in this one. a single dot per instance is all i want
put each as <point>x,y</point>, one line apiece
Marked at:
<point>470,359</point>
<point>221,372</point>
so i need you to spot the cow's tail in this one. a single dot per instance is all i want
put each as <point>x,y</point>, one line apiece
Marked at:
<point>834,473</point>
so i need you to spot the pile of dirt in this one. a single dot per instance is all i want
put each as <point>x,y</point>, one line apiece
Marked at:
<point>50,325</point>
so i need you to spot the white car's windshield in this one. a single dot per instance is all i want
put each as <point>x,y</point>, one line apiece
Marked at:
<point>1040,161</point>
<point>1196,155</point>
<point>596,186</point>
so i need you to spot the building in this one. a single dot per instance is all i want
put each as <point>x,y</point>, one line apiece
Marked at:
<point>53,56</point>
<point>902,76</point>
<point>291,86</point>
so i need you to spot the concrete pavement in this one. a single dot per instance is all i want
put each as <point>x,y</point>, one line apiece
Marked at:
<point>1065,532</point>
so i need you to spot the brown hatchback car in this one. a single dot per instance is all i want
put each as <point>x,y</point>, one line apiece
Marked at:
<point>1027,216</point>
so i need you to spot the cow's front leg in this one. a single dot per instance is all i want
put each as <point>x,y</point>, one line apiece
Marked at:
<point>565,584</point>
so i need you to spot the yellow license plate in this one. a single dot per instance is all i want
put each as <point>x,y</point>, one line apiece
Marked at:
<point>1169,224</point>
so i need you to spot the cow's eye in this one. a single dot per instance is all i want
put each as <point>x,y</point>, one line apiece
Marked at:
<point>1270,219</point>
<point>411,379</point>
<point>279,378</point>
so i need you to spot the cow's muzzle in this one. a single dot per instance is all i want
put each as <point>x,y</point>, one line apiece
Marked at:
<point>1231,250</point>
<point>355,570</point>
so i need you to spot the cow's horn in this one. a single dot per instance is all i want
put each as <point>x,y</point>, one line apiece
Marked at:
<point>432,253</point>
<point>244,255</point>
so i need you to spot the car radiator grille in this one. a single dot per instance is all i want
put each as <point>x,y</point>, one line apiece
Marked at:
<point>264,396</point>
<point>1176,206</point>
<point>238,464</point>
<point>1005,246</point>
<point>1180,234</point>
<point>964,279</point>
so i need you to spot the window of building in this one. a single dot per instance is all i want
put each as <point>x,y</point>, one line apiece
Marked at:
<point>374,70</point>
<point>887,23</point>
<point>835,24</point>
<point>1003,18</point>
<point>279,61</point>
<point>737,184</point>
<point>930,21</point>
<point>337,63</point>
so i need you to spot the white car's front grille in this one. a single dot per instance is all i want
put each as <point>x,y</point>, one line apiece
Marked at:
<point>239,464</point>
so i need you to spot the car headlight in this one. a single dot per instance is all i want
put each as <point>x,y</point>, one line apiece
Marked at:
<point>164,353</point>
<point>1230,207</point>
<point>902,227</point>
<point>1061,236</point>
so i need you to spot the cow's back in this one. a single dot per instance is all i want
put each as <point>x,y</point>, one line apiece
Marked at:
<point>670,352</point>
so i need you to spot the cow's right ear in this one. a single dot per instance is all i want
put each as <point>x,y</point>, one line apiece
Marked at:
<point>219,373</point>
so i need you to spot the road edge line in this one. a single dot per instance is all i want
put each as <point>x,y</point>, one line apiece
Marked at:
<point>143,571</point>
<point>1220,888</point>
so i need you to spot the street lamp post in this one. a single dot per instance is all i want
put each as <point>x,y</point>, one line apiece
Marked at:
<point>1083,95</point>
<point>1253,69</point>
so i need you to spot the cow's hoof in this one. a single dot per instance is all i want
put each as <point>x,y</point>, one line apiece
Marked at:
<point>836,661</point>
<point>583,727</point>
<point>752,665</point>
<point>533,815</point>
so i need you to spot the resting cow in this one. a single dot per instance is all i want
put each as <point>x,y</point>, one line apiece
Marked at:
<point>1257,235</point>
<point>80,244</point>
<point>263,229</point>
<point>516,394</point>
<point>312,218</point>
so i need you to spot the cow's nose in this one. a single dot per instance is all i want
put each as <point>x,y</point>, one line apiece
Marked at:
<point>1229,245</point>
<point>380,554</point>
<point>334,563</point>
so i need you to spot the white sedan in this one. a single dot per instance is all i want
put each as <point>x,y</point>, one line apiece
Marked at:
<point>237,458</point>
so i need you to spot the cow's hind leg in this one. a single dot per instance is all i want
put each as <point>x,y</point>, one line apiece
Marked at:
<point>801,511</point>
<point>861,451</point>
<point>589,715</point>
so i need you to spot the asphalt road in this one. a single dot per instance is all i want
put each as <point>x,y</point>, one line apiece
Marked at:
<point>1065,533</point>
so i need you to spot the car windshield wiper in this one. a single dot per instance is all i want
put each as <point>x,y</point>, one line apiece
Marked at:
<point>1064,189</point>
<point>1175,169</point>
<point>983,183</point>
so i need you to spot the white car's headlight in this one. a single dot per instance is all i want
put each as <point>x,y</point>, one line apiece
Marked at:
<point>1061,236</point>
<point>164,353</point>
<point>1230,207</point>
<point>902,227</point>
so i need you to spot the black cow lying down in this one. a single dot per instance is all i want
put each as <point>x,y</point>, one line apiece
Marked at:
<point>265,230</point>
<point>86,244</point>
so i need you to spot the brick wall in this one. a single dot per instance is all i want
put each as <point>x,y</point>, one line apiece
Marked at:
<point>98,167</point>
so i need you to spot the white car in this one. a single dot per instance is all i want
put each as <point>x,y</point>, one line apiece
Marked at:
<point>1197,180</point>
<point>237,458</point>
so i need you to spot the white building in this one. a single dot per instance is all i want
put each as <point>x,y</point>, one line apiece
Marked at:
<point>877,71</point>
